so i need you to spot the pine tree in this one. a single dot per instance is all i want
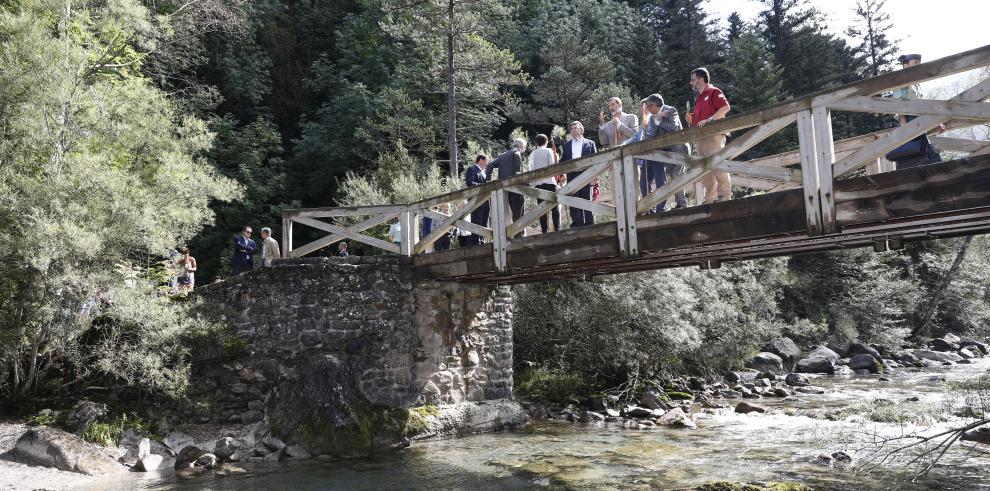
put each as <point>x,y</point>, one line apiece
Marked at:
<point>752,77</point>
<point>688,39</point>
<point>734,30</point>
<point>875,48</point>
<point>473,68</point>
<point>752,81</point>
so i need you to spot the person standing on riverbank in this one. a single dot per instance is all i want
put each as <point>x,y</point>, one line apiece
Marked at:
<point>269,248</point>
<point>244,248</point>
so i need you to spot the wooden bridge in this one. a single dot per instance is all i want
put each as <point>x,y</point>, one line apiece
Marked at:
<point>838,194</point>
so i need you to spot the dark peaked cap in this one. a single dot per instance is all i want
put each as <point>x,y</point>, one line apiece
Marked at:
<point>906,58</point>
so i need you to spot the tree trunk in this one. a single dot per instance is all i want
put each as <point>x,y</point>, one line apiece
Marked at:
<point>451,97</point>
<point>921,329</point>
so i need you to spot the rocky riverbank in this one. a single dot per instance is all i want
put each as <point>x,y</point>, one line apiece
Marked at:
<point>781,372</point>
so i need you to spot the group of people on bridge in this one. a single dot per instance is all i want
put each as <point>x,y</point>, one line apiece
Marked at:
<point>656,119</point>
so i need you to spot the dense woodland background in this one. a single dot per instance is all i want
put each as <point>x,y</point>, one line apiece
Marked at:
<point>130,126</point>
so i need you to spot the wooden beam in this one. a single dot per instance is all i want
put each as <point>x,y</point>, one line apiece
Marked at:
<point>571,187</point>
<point>809,166</point>
<point>330,239</point>
<point>824,157</point>
<point>286,235</point>
<point>410,232</point>
<point>593,206</point>
<point>499,236</point>
<point>964,145</point>
<point>767,172</point>
<point>471,227</point>
<point>427,241</point>
<point>904,133</point>
<point>342,211</point>
<point>341,231</point>
<point>694,172</point>
<point>979,111</point>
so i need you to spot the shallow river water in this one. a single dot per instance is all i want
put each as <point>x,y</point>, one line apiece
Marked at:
<point>782,445</point>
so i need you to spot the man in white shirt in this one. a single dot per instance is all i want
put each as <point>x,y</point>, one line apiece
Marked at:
<point>578,147</point>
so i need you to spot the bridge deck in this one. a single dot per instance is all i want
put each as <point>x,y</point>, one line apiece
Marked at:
<point>942,200</point>
<point>810,203</point>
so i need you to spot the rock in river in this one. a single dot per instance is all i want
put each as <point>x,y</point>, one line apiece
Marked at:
<point>865,361</point>
<point>862,349</point>
<point>816,365</point>
<point>767,362</point>
<point>55,448</point>
<point>786,349</point>
<point>745,408</point>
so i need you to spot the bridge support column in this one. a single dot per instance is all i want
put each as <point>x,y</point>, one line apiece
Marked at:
<point>817,156</point>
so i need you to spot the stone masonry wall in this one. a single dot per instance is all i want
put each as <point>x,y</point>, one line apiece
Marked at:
<point>329,338</point>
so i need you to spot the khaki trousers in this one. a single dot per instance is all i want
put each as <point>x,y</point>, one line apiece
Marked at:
<point>718,185</point>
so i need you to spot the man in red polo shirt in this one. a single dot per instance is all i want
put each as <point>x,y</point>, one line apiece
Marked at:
<point>711,105</point>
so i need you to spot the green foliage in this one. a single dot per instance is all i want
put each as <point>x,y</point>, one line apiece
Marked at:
<point>544,384</point>
<point>97,167</point>
<point>108,433</point>
<point>643,325</point>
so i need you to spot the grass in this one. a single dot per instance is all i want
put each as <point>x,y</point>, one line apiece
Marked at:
<point>108,433</point>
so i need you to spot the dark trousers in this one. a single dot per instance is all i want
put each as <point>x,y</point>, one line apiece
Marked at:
<point>579,217</point>
<point>652,173</point>
<point>678,170</point>
<point>464,240</point>
<point>443,243</point>
<point>515,206</point>
<point>479,217</point>
<point>554,213</point>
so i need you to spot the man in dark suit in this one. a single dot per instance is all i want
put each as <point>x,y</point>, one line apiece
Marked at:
<point>578,146</point>
<point>476,176</point>
<point>508,165</point>
<point>244,247</point>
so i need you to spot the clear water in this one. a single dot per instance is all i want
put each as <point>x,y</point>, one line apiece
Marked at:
<point>726,446</point>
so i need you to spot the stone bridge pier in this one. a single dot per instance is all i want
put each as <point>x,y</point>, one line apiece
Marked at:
<point>346,356</point>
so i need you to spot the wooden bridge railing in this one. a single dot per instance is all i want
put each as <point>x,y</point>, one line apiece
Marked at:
<point>822,160</point>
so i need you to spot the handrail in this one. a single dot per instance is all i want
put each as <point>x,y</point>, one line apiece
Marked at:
<point>817,154</point>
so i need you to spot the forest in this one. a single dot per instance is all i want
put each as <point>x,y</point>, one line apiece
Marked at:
<point>131,127</point>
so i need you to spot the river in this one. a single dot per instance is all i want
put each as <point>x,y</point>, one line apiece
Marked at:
<point>782,445</point>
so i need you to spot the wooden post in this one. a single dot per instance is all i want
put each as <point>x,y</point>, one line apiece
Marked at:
<point>408,229</point>
<point>630,190</point>
<point>286,236</point>
<point>809,172</point>
<point>699,193</point>
<point>825,157</point>
<point>618,191</point>
<point>874,168</point>
<point>499,239</point>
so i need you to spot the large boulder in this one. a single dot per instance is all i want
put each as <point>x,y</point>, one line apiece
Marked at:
<point>865,361</point>
<point>225,448</point>
<point>940,344</point>
<point>177,441</point>
<point>50,447</point>
<point>654,399</point>
<point>767,362</point>
<point>862,349</point>
<point>796,380</point>
<point>816,365</point>
<point>824,352</point>
<point>787,350</point>
<point>938,356</point>
<point>971,343</point>
<point>188,456</point>
<point>952,338</point>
